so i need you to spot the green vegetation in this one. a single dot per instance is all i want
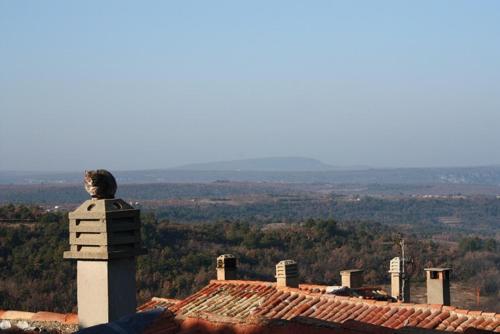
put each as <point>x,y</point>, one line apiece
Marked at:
<point>13,213</point>
<point>477,214</point>
<point>265,202</point>
<point>181,257</point>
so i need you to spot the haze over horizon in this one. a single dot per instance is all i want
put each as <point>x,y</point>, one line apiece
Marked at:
<point>264,164</point>
<point>130,86</point>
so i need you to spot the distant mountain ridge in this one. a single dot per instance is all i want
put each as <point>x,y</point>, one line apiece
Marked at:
<point>258,170</point>
<point>271,164</point>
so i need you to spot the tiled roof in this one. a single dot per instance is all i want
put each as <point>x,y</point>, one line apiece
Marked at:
<point>62,322</point>
<point>241,301</point>
<point>156,302</point>
<point>64,318</point>
<point>242,307</point>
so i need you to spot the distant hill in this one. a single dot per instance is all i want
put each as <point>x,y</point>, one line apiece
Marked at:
<point>282,170</point>
<point>273,164</point>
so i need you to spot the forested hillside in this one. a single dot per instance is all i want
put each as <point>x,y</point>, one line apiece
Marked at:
<point>479,214</point>
<point>181,257</point>
<point>256,202</point>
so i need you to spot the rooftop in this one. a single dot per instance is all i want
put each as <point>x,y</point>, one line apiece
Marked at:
<point>249,301</point>
<point>262,307</point>
<point>48,321</point>
<point>156,302</point>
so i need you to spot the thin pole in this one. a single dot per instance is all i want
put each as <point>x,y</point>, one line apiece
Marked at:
<point>403,276</point>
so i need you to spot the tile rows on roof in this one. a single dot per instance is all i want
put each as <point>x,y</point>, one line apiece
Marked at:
<point>68,318</point>
<point>243,299</point>
<point>156,302</point>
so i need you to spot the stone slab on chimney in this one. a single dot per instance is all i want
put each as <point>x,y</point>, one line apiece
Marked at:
<point>104,229</point>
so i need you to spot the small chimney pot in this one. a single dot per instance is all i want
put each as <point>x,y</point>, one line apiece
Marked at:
<point>226,267</point>
<point>352,278</point>
<point>438,285</point>
<point>287,274</point>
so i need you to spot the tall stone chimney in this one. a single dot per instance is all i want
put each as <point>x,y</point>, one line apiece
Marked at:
<point>352,278</point>
<point>438,285</point>
<point>226,267</point>
<point>287,274</point>
<point>104,237</point>
<point>400,285</point>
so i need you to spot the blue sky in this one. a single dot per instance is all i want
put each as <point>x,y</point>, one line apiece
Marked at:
<point>154,84</point>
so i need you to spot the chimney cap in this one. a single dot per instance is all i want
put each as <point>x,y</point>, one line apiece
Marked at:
<point>226,256</point>
<point>226,261</point>
<point>437,269</point>
<point>287,268</point>
<point>287,274</point>
<point>286,262</point>
<point>395,265</point>
<point>350,271</point>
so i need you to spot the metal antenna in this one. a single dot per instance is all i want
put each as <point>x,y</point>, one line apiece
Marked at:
<point>403,272</point>
<point>403,261</point>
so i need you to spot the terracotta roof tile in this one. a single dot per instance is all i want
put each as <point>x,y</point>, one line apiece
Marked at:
<point>49,316</point>
<point>156,302</point>
<point>68,319</point>
<point>46,321</point>
<point>241,300</point>
<point>71,319</point>
<point>475,312</point>
<point>369,315</point>
<point>446,323</point>
<point>251,303</point>
<point>17,315</point>
<point>313,288</point>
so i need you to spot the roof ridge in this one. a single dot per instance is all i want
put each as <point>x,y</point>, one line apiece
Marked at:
<point>241,282</point>
<point>173,300</point>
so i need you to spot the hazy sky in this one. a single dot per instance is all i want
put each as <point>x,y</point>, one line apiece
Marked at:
<point>154,84</point>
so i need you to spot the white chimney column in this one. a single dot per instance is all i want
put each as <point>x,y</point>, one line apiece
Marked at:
<point>400,285</point>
